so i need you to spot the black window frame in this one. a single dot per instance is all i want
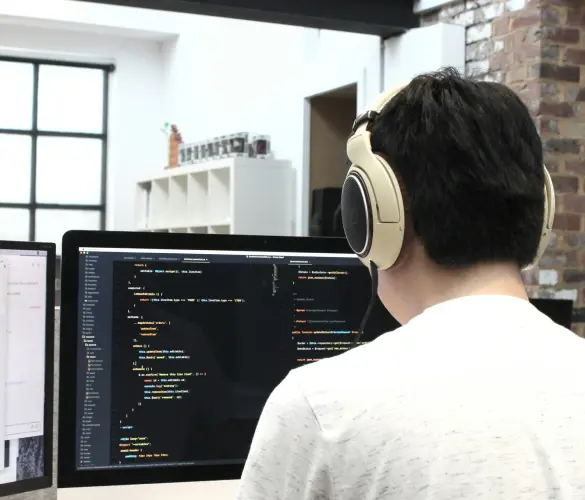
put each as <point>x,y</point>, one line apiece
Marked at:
<point>34,133</point>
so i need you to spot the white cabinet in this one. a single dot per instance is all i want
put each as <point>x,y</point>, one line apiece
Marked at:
<point>225,196</point>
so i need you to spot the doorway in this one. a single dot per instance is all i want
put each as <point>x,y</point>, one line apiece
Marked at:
<point>330,121</point>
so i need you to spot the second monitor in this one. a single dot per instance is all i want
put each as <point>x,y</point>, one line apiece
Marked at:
<point>176,350</point>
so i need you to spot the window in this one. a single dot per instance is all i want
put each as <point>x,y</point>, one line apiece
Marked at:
<point>53,148</point>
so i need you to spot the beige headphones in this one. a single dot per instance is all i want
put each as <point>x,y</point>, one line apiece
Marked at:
<point>372,208</point>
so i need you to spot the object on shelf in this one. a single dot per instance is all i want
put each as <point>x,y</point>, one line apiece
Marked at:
<point>242,144</point>
<point>260,146</point>
<point>238,144</point>
<point>175,141</point>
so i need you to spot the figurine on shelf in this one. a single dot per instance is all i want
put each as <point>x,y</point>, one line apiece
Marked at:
<point>175,140</point>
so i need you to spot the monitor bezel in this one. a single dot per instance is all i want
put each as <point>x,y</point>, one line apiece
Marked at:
<point>68,476</point>
<point>46,480</point>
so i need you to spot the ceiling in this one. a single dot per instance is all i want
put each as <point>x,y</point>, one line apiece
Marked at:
<point>376,17</point>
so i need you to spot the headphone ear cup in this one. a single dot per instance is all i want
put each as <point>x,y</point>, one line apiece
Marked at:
<point>356,214</point>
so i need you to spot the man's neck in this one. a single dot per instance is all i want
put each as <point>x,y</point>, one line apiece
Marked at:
<point>435,285</point>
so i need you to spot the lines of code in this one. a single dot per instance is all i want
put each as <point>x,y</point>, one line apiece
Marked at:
<point>319,324</point>
<point>198,347</point>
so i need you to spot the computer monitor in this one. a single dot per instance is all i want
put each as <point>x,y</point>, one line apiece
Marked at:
<point>559,310</point>
<point>27,277</point>
<point>171,344</point>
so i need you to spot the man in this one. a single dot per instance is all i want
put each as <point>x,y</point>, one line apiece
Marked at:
<point>477,395</point>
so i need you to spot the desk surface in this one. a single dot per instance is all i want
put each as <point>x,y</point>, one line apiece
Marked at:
<point>213,490</point>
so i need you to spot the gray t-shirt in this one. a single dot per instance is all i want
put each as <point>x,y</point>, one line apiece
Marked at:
<point>481,397</point>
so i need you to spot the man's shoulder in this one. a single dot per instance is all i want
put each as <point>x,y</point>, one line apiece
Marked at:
<point>333,367</point>
<point>330,382</point>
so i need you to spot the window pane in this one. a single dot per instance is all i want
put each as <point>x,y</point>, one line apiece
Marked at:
<point>69,170</point>
<point>16,95</point>
<point>51,224</point>
<point>70,99</point>
<point>15,151</point>
<point>14,224</point>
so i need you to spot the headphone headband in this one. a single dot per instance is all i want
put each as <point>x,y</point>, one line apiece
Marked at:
<point>370,114</point>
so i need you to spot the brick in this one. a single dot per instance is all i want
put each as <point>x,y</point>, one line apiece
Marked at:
<point>574,240</point>
<point>573,129</point>
<point>501,26</point>
<point>499,61</point>
<point>576,17</point>
<point>477,68</point>
<point>565,184</point>
<point>530,277</point>
<point>550,53</point>
<point>550,16</point>
<point>544,293</point>
<point>524,18</point>
<point>474,4</point>
<point>530,91</point>
<point>560,73</point>
<point>518,38</point>
<point>556,109</point>
<point>552,163</point>
<point>528,52</point>
<point>498,46</point>
<point>554,258</point>
<point>565,294</point>
<point>563,146</point>
<point>477,50</point>
<point>548,277</point>
<point>515,75</point>
<point>574,93</point>
<point>574,56</point>
<point>574,203</point>
<point>465,18</point>
<point>576,166</point>
<point>479,32</point>
<point>451,10</point>
<point>574,276</point>
<point>549,90</point>
<point>550,127</point>
<point>489,12</point>
<point>567,222</point>
<point>495,76</point>
<point>561,35</point>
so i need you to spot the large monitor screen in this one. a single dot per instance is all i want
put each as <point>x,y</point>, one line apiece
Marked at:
<point>178,350</point>
<point>26,333</point>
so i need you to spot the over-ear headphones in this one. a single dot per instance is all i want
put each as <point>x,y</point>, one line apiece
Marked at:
<point>372,208</point>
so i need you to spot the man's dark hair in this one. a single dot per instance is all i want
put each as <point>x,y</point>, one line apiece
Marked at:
<point>469,158</point>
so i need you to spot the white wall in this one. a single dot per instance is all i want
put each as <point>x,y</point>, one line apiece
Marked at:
<point>214,76</point>
<point>422,50</point>
<point>225,76</point>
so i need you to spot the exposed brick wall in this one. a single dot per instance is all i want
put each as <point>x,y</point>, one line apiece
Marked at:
<point>537,47</point>
<point>477,17</point>
<point>562,117</point>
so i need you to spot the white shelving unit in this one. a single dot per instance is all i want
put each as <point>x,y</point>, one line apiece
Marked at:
<point>226,196</point>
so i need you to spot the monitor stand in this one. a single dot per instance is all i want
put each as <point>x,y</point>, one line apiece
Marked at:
<point>212,490</point>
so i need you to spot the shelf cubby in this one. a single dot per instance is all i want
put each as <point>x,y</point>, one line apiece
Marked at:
<point>219,196</point>
<point>225,196</point>
<point>159,203</point>
<point>178,206</point>
<point>197,198</point>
